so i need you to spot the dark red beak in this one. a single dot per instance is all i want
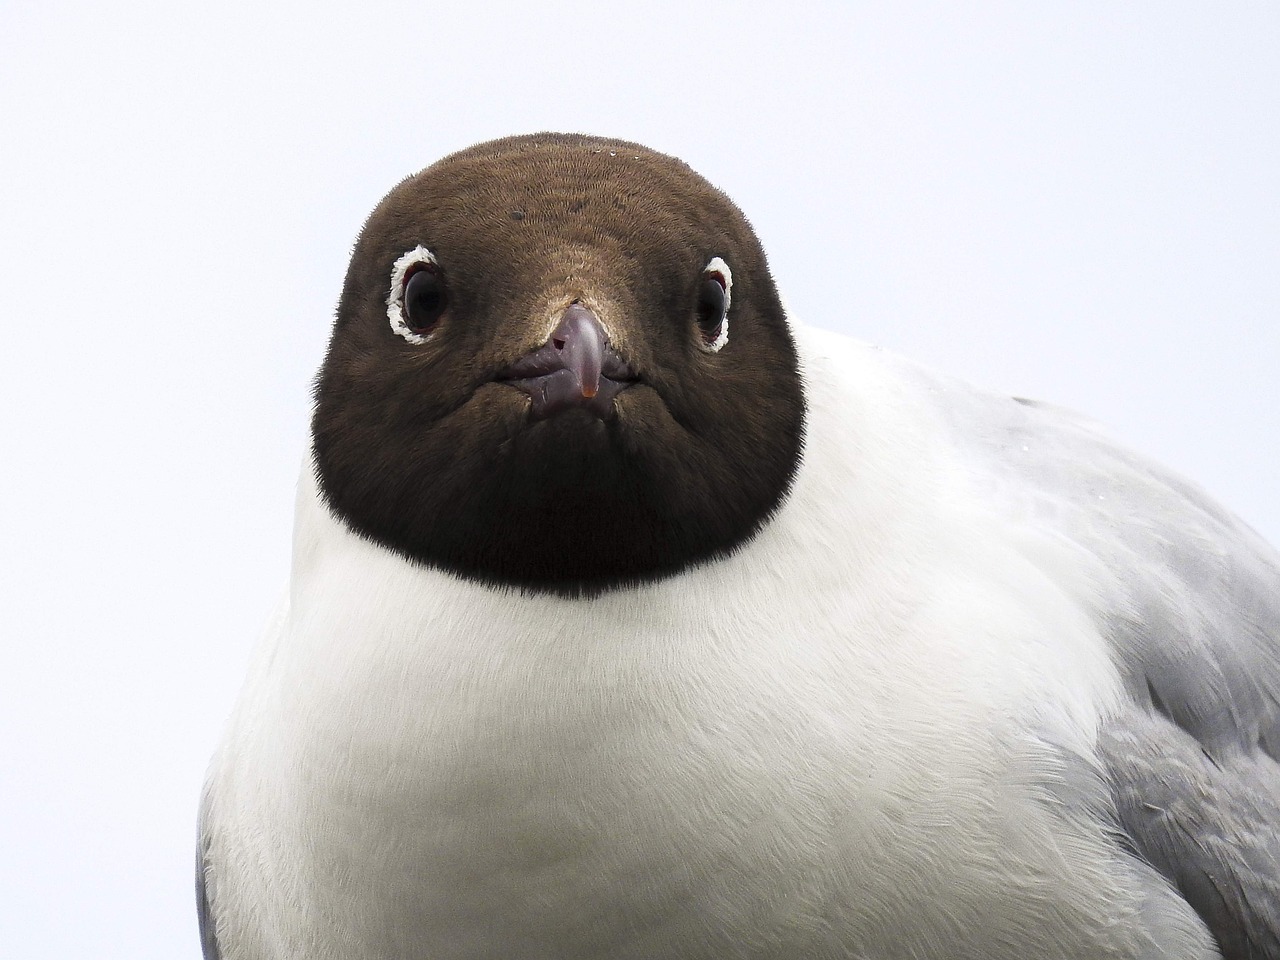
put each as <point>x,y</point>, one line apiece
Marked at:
<point>576,368</point>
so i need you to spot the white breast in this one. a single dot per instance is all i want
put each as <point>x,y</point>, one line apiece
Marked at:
<point>837,740</point>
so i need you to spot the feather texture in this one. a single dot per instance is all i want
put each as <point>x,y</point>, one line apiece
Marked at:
<point>910,718</point>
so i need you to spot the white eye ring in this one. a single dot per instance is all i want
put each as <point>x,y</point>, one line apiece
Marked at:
<point>718,266</point>
<point>395,295</point>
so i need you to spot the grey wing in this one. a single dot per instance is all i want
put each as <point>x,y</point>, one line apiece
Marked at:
<point>1189,598</point>
<point>1211,827</point>
<point>208,941</point>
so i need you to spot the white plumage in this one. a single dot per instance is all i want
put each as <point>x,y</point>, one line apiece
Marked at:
<point>871,732</point>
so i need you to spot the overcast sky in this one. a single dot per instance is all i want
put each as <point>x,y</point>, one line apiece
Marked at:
<point>1074,202</point>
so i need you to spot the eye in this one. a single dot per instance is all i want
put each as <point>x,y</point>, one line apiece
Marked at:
<point>424,299</point>
<point>713,305</point>
<point>418,295</point>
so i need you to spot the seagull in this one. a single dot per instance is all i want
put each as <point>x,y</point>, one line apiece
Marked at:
<point>631,618</point>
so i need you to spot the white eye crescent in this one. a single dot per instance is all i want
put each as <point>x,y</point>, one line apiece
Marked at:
<point>417,296</point>
<point>715,293</point>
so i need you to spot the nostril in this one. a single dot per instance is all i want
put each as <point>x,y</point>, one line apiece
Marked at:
<point>557,343</point>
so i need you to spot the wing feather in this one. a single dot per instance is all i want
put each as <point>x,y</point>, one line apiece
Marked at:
<point>1188,597</point>
<point>208,939</point>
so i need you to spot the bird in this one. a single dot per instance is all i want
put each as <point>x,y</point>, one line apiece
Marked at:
<point>631,617</point>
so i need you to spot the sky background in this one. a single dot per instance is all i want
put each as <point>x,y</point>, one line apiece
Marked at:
<point>1074,202</point>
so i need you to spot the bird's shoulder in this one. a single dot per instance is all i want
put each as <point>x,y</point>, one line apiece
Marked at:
<point>1187,598</point>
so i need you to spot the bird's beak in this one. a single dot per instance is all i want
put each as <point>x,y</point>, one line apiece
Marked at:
<point>576,367</point>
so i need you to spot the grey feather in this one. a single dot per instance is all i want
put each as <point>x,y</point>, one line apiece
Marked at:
<point>208,940</point>
<point>1189,598</point>
<point>1212,828</point>
<point>1080,792</point>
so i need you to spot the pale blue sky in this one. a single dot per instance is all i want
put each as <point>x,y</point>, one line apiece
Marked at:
<point>1074,202</point>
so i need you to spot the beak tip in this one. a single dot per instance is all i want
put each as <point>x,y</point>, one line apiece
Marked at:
<point>569,369</point>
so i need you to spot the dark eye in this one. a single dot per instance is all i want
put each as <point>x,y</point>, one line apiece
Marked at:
<point>425,299</point>
<point>713,304</point>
